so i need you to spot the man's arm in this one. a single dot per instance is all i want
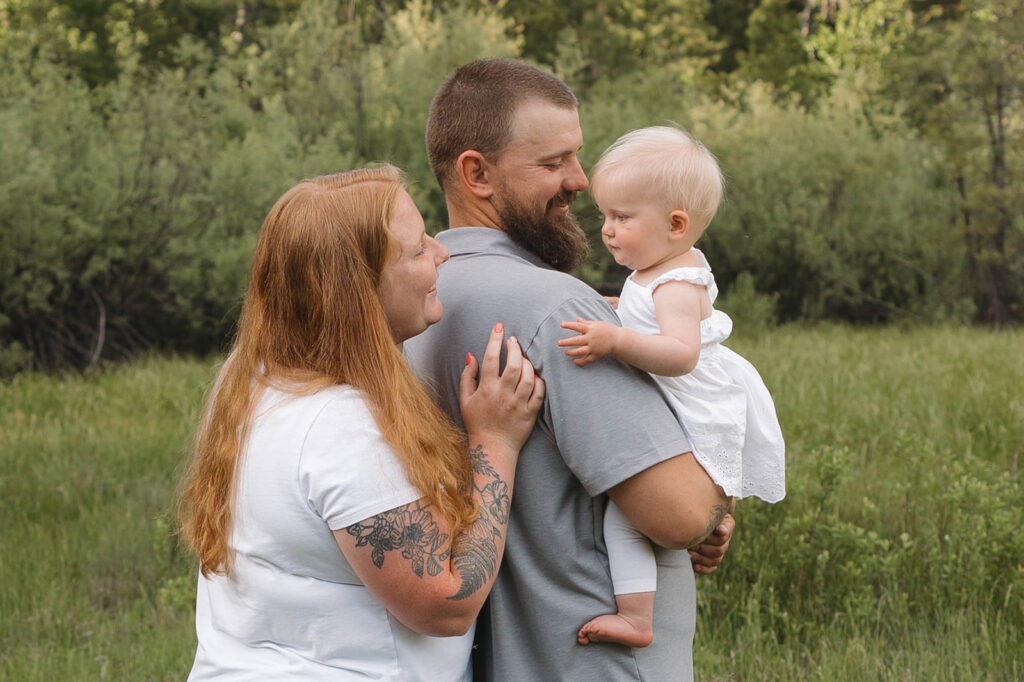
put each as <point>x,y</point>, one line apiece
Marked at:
<point>708,555</point>
<point>674,503</point>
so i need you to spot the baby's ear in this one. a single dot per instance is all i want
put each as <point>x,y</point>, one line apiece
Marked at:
<point>679,224</point>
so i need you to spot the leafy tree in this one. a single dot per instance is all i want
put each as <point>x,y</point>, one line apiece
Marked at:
<point>93,36</point>
<point>953,70</point>
<point>777,53</point>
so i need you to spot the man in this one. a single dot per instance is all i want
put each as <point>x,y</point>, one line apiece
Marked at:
<point>503,139</point>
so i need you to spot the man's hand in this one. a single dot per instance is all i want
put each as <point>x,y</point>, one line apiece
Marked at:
<point>707,556</point>
<point>596,339</point>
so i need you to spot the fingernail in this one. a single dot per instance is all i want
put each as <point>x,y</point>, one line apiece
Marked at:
<point>469,358</point>
<point>499,328</point>
<point>512,340</point>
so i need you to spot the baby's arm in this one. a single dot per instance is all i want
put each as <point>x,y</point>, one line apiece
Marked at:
<point>673,352</point>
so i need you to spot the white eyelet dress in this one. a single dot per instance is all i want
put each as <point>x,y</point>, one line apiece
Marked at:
<point>723,403</point>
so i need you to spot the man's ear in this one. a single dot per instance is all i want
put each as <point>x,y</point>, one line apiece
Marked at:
<point>679,224</point>
<point>474,173</point>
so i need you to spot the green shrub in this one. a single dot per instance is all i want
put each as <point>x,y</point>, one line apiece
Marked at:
<point>750,310</point>
<point>130,210</point>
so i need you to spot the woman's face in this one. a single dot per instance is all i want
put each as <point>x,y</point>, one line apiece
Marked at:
<point>407,290</point>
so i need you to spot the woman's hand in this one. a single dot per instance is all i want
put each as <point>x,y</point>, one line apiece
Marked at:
<point>500,408</point>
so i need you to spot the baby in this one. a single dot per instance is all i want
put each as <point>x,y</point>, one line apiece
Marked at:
<point>658,189</point>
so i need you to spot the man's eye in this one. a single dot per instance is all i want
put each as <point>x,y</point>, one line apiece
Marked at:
<point>553,166</point>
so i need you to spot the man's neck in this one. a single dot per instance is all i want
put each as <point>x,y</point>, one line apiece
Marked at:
<point>475,215</point>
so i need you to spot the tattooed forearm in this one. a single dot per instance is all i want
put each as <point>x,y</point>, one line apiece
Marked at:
<point>718,513</point>
<point>412,531</point>
<point>476,551</point>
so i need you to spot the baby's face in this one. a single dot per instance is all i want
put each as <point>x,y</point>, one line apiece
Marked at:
<point>635,229</point>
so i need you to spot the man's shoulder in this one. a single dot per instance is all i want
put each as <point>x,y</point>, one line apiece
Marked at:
<point>508,275</point>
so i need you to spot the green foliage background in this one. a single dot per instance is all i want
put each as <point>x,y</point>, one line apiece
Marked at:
<point>872,149</point>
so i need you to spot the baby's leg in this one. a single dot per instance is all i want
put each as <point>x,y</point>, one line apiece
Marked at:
<point>634,579</point>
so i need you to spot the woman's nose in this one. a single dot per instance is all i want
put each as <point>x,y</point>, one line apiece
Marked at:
<point>441,253</point>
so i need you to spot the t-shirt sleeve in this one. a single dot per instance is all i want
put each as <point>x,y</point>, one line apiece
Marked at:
<point>347,471</point>
<point>610,420</point>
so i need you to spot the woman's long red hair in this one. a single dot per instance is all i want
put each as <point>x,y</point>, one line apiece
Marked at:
<point>311,319</point>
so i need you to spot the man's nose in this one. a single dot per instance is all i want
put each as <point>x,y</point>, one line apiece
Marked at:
<point>576,180</point>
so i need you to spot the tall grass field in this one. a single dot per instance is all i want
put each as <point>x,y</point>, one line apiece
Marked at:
<point>898,553</point>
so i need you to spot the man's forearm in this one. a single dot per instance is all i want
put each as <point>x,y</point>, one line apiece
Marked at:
<point>674,503</point>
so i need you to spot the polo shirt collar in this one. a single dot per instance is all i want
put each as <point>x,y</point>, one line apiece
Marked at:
<point>461,241</point>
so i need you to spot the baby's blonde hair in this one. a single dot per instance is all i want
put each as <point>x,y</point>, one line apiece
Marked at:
<point>668,165</point>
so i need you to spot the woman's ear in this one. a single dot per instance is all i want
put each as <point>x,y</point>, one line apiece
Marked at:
<point>474,174</point>
<point>679,224</point>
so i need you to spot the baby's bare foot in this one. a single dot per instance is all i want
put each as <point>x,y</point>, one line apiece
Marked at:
<point>615,627</point>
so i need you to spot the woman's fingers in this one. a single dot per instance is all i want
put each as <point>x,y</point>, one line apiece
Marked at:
<point>467,382</point>
<point>527,377</point>
<point>513,371</point>
<point>518,376</point>
<point>537,397</point>
<point>492,353</point>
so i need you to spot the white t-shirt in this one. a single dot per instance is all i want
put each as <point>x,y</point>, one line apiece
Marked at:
<point>292,608</point>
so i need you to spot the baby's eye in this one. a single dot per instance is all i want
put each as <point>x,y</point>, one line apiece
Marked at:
<point>621,218</point>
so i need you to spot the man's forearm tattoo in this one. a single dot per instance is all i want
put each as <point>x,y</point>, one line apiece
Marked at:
<point>718,513</point>
<point>412,531</point>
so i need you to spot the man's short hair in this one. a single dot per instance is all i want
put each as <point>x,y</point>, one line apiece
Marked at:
<point>476,104</point>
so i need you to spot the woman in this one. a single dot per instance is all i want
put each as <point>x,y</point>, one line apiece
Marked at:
<point>341,528</point>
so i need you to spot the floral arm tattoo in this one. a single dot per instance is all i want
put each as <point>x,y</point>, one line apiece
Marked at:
<point>412,531</point>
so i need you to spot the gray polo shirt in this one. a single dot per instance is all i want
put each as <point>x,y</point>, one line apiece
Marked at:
<point>600,425</point>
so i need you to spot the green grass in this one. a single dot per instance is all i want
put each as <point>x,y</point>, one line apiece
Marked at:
<point>87,559</point>
<point>898,553</point>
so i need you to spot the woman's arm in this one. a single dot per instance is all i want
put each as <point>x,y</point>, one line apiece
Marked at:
<point>431,582</point>
<point>673,352</point>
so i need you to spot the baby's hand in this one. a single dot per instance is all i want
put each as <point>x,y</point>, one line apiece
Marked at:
<point>596,339</point>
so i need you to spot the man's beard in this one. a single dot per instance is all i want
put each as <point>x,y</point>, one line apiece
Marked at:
<point>560,241</point>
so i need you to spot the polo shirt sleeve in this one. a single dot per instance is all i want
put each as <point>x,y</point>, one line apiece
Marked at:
<point>610,421</point>
<point>347,471</point>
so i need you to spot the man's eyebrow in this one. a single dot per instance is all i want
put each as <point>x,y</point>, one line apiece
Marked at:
<point>559,155</point>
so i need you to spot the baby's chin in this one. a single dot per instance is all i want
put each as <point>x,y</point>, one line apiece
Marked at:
<point>621,260</point>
